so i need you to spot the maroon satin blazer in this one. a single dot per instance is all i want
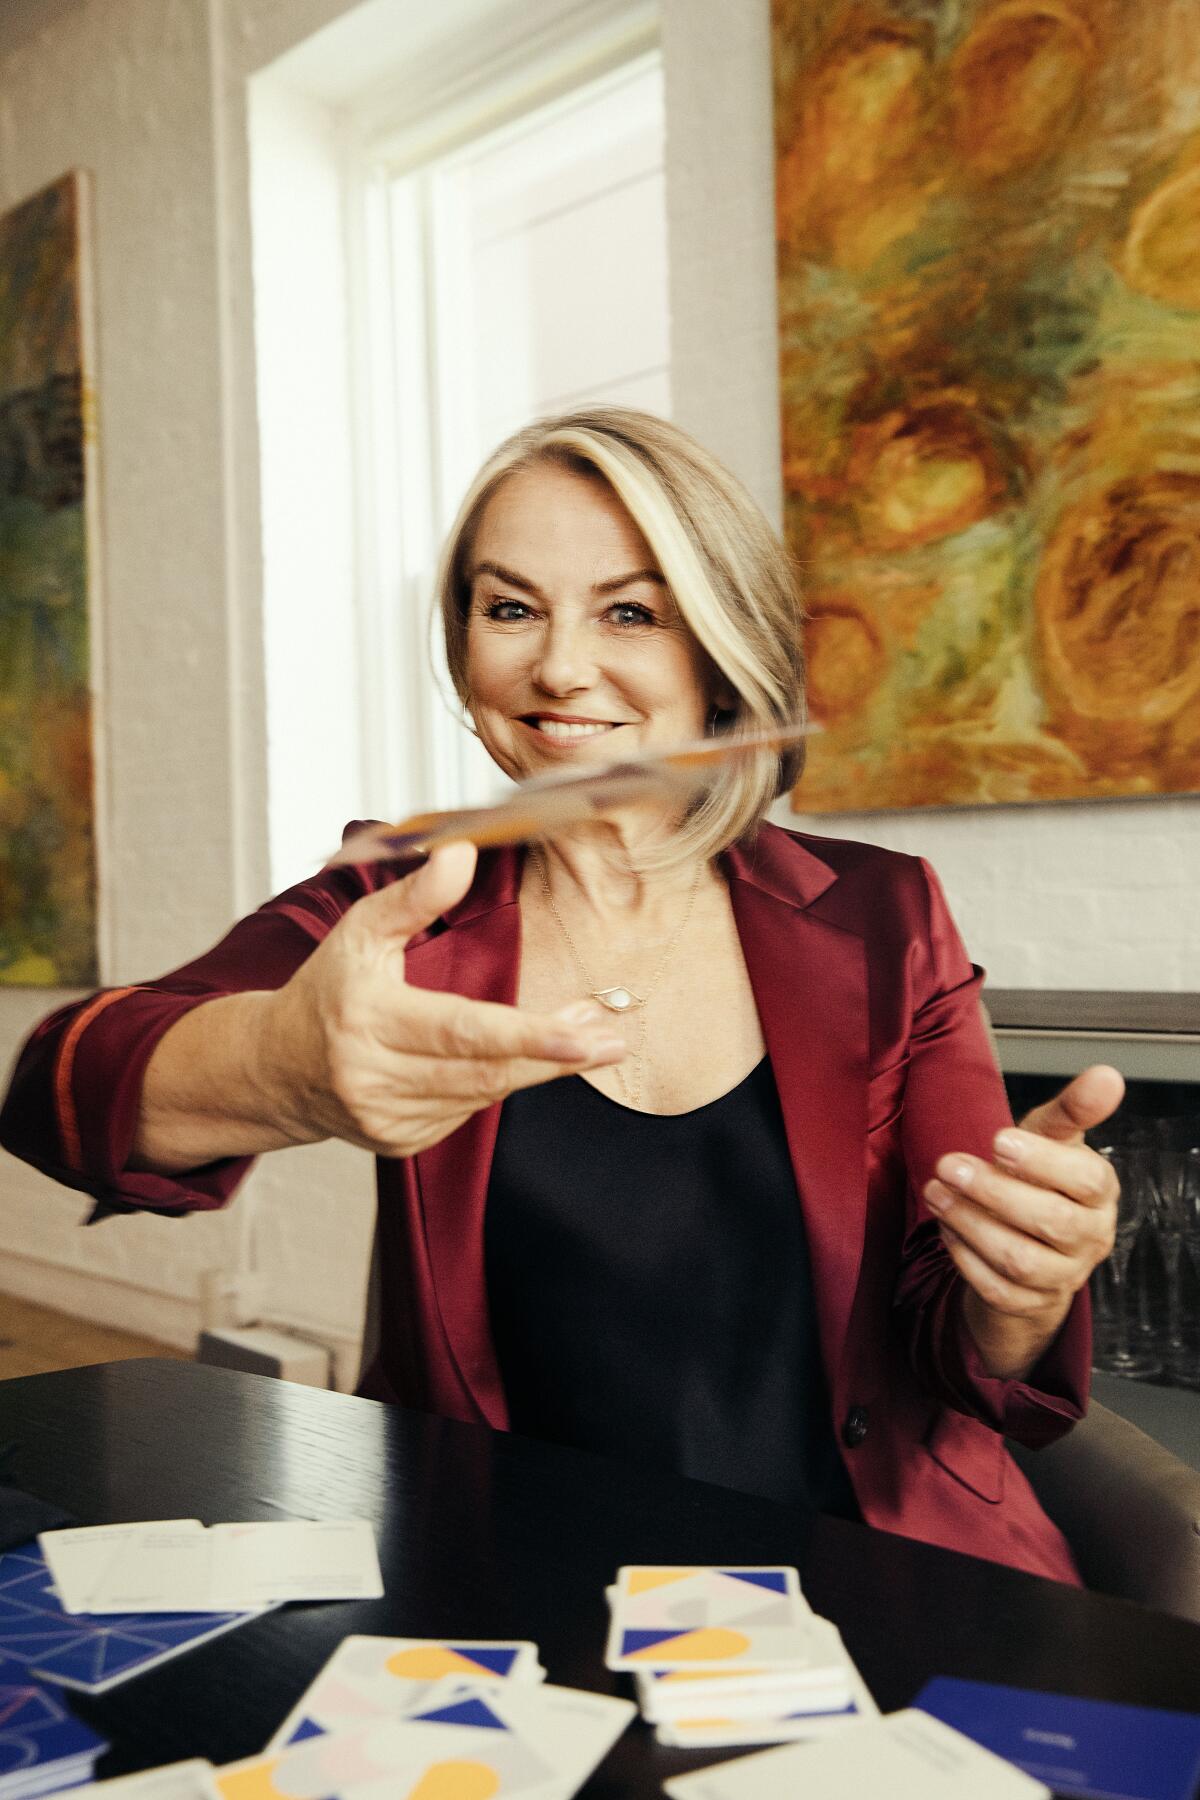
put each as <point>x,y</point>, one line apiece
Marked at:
<point>870,1011</point>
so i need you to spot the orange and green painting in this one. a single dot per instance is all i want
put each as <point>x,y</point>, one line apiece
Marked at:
<point>47,852</point>
<point>989,301</point>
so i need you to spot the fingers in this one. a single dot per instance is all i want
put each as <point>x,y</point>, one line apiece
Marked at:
<point>398,911</point>
<point>1093,1096</point>
<point>1014,1299</point>
<point>446,1026</point>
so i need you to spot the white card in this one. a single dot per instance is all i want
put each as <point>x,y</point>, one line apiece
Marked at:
<point>692,1617</point>
<point>78,1557</point>
<point>256,1564</point>
<point>192,1780</point>
<point>824,1682</point>
<point>791,1727</point>
<point>368,1677</point>
<point>907,1756</point>
<point>239,1568</point>
<point>539,1742</point>
<point>159,1569</point>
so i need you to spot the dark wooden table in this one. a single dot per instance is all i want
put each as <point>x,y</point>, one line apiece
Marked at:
<point>483,1535</point>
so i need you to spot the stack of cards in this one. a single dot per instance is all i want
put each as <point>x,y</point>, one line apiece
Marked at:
<point>42,1746</point>
<point>731,1656</point>
<point>177,1566</point>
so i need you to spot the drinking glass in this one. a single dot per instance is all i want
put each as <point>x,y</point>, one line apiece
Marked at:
<point>1168,1174</point>
<point>1186,1369</point>
<point>1131,1164</point>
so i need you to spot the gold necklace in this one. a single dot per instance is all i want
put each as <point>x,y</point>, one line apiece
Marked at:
<point>622,999</point>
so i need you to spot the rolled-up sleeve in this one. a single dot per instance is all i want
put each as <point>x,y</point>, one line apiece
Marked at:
<point>72,1106</point>
<point>955,1100</point>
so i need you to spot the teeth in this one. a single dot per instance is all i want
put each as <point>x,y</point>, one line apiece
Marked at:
<point>559,728</point>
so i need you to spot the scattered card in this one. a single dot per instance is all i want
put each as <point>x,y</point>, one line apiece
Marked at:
<point>538,1742</point>
<point>368,1677</point>
<point>1082,1747</point>
<point>79,1556</point>
<point>670,1618</point>
<point>824,1681</point>
<point>240,1567</point>
<point>43,1747</point>
<point>77,1650</point>
<point>907,1756</point>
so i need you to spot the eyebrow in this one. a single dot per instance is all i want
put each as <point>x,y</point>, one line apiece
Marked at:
<point>613,586</point>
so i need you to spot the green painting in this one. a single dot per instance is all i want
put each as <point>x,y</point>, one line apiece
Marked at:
<point>989,303</point>
<point>47,847</point>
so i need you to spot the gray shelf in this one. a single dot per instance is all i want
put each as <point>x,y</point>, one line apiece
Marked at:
<point>1149,1037</point>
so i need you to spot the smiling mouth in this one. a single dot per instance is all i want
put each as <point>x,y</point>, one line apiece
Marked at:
<point>563,730</point>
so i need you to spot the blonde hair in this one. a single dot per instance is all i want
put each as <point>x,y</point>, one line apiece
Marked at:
<point>727,572</point>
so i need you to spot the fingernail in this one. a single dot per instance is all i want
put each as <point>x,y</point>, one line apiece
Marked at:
<point>580,1012</point>
<point>937,1199</point>
<point>962,1175</point>
<point>1009,1146</point>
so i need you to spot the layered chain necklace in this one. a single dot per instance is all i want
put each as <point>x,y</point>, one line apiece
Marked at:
<point>622,999</point>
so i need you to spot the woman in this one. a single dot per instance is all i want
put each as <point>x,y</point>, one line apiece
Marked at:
<point>776,1229</point>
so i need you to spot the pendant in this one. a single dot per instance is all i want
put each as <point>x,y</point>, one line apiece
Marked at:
<point>618,999</point>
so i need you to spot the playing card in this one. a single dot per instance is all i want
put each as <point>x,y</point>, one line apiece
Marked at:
<point>682,1617</point>
<point>538,1743</point>
<point>78,1557</point>
<point>823,1683</point>
<point>907,1756</point>
<point>78,1650</point>
<point>785,1725</point>
<point>371,1676</point>
<point>239,1567</point>
<point>42,1745</point>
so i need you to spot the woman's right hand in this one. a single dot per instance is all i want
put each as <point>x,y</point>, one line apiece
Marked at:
<point>348,1049</point>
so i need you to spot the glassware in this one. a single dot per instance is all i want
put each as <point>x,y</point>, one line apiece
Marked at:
<point>1132,1164</point>
<point>1185,1370</point>
<point>1168,1171</point>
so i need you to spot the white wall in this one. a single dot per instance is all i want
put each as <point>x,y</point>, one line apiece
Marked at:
<point>151,96</point>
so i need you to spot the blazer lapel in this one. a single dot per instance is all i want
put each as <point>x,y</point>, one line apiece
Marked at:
<point>478,955</point>
<point>810,986</point>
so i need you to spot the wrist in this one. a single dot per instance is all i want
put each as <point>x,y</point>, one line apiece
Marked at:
<point>275,1072</point>
<point>1009,1345</point>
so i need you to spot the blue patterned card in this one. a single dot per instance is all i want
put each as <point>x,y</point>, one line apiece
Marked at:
<point>1092,1748</point>
<point>82,1650</point>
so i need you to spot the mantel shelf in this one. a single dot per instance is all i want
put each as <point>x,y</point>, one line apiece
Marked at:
<point>1148,1036</point>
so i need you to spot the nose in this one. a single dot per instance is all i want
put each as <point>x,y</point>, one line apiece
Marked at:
<point>565,664</point>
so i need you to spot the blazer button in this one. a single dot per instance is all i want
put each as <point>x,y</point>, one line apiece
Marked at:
<point>854,1427</point>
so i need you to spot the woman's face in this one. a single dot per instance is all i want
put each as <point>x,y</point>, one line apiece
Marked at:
<point>575,652</point>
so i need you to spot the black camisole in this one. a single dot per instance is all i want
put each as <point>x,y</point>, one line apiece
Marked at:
<point>650,1289</point>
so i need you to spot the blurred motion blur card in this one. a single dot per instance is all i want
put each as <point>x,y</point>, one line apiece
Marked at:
<point>686,1617</point>
<point>385,1677</point>
<point>907,1756</point>
<point>1082,1747</point>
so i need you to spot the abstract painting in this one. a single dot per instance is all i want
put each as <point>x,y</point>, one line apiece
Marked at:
<point>989,303</point>
<point>47,848</point>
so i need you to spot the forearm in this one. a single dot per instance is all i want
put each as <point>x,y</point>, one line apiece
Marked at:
<point>217,1086</point>
<point>1011,1347</point>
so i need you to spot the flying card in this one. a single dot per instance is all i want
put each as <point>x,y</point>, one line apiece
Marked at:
<point>907,1756</point>
<point>552,803</point>
<point>470,1741</point>
<point>370,1677</point>
<point>672,1618</point>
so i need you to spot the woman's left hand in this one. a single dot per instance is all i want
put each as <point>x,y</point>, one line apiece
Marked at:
<point>1026,1230</point>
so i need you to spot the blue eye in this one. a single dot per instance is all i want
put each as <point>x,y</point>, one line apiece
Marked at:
<point>508,612</point>
<point>627,613</point>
